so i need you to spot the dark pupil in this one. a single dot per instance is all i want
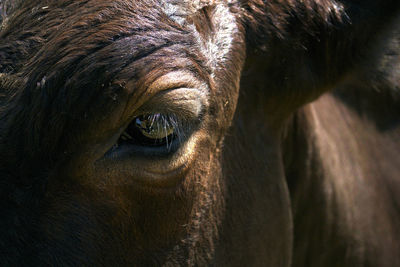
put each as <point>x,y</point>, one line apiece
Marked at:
<point>151,130</point>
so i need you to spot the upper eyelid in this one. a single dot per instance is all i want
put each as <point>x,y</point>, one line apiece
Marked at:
<point>174,80</point>
<point>157,96</point>
<point>187,103</point>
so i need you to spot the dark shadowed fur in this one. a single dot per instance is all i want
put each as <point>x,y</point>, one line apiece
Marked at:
<point>289,142</point>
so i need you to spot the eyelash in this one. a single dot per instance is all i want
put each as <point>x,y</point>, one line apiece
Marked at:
<point>153,130</point>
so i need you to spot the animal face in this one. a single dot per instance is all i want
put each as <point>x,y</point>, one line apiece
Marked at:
<point>126,105</point>
<point>155,132</point>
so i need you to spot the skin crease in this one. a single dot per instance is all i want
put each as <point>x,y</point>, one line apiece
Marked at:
<point>290,138</point>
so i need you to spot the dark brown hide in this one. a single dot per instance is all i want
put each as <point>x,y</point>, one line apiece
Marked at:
<point>266,167</point>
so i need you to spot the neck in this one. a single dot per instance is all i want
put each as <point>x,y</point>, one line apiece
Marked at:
<point>340,177</point>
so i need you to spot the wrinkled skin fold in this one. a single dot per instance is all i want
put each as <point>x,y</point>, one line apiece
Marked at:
<point>199,133</point>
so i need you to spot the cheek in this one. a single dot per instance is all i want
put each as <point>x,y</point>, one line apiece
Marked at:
<point>206,165</point>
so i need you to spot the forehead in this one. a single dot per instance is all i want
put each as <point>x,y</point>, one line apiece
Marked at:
<point>136,27</point>
<point>90,44</point>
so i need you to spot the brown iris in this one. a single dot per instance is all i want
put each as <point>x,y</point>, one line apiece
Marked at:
<point>151,130</point>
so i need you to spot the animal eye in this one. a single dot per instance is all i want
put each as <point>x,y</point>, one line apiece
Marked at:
<point>151,130</point>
